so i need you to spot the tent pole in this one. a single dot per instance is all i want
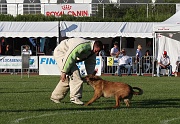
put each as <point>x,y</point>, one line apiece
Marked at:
<point>120,43</point>
<point>154,35</point>
<point>59,33</point>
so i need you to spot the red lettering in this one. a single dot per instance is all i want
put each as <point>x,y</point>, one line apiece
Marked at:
<point>73,13</point>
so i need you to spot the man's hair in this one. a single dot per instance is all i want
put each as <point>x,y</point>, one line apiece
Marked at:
<point>99,44</point>
<point>116,43</point>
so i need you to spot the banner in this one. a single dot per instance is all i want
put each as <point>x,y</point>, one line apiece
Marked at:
<point>77,10</point>
<point>15,62</point>
<point>48,66</point>
<point>110,61</point>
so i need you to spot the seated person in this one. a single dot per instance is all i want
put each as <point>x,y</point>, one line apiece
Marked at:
<point>178,66</point>
<point>164,63</point>
<point>124,62</point>
<point>147,61</point>
<point>26,50</point>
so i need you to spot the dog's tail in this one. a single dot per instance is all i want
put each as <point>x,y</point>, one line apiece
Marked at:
<point>140,91</point>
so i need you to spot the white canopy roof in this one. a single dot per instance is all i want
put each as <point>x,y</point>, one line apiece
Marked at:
<point>29,29</point>
<point>168,38</point>
<point>91,29</point>
<point>138,29</point>
<point>175,19</point>
<point>106,29</point>
<point>170,25</point>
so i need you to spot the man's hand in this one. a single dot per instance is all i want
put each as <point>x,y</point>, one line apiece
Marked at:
<point>63,76</point>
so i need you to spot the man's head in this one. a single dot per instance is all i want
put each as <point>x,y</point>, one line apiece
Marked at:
<point>116,44</point>
<point>139,47</point>
<point>123,51</point>
<point>165,53</point>
<point>98,46</point>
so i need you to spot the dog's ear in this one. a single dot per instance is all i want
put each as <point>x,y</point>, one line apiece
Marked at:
<point>94,73</point>
<point>95,78</point>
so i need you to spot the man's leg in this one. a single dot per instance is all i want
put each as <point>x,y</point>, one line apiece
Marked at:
<point>119,70</point>
<point>76,85</point>
<point>62,88</point>
<point>60,91</point>
<point>137,68</point>
<point>170,70</point>
<point>158,70</point>
<point>129,69</point>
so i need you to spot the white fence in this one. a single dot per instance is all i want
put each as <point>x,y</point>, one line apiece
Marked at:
<point>46,65</point>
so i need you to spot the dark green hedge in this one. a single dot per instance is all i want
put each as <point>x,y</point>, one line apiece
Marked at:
<point>112,13</point>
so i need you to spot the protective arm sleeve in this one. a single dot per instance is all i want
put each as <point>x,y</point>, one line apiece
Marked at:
<point>72,54</point>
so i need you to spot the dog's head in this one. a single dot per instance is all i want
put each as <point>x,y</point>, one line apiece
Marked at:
<point>91,78</point>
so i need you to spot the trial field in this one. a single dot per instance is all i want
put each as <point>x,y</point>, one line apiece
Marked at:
<point>26,101</point>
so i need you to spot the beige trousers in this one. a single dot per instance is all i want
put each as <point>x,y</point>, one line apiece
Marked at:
<point>73,82</point>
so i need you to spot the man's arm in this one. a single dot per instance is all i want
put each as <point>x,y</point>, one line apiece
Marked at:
<point>71,57</point>
<point>90,64</point>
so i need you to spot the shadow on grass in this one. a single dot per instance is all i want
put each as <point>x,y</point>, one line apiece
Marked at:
<point>102,105</point>
<point>156,103</point>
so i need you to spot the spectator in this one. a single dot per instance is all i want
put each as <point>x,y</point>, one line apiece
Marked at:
<point>102,53</point>
<point>138,60</point>
<point>147,61</point>
<point>164,63</point>
<point>26,50</point>
<point>8,52</point>
<point>67,54</point>
<point>114,53</point>
<point>115,50</point>
<point>124,62</point>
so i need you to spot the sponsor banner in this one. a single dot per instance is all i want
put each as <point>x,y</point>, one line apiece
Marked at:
<point>15,62</point>
<point>48,66</point>
<point>111,61</point>
<point>77,10</point>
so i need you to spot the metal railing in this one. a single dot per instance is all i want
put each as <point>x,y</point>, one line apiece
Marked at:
<point>145,67</point>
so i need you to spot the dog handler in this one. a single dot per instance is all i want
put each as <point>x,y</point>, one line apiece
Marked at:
<point>67,54</point>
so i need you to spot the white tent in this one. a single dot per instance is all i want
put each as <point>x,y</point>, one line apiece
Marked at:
<point>138,29</point>
<point>167,37</point>
<point>29,29</point>
<point>106,29</point>
<point>91,29</point>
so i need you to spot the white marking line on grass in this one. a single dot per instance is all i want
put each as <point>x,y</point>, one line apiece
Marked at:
<point>167,121</point>
<point>46,115</point>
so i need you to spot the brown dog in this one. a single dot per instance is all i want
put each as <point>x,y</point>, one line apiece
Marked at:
<point>109,89</point>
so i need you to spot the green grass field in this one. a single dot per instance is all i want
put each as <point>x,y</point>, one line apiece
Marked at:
<point>26,101</point>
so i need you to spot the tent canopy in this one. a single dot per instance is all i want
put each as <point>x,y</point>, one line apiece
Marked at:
<point>106,29</point>
<point>29,29</point>
<point>167,37</point>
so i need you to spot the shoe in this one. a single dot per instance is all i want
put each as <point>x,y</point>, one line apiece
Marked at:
<point>129,75</point>
<point>120,75</point>
<point>55,100</point>
<point>76,101</point>
<point>158,75</point>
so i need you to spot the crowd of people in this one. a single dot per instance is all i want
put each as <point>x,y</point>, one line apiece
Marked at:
<point>140,64</point>
<point>143,62</point>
